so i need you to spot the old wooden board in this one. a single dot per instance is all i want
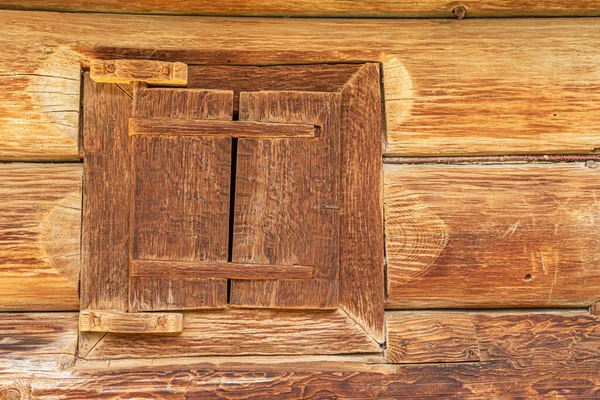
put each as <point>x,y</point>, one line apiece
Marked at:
<point>40,225</point>
<point>492,235</point>
<point>525,86</point>
<point>332,8</point>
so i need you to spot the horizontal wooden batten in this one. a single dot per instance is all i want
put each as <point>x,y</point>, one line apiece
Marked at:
<point>122,322</point>
<point>151,72</point>
<point>219,270</point>
<point>332,8</point>
<point>492,235</point>
<point>236,129</point>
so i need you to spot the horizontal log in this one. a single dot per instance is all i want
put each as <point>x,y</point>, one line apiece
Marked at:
<point>36,342</point>
<point>151,72</point>
<point>122,322</point>
<point>462,336</point>
<point>40,224</point>
<point>332,8</point>
<point>492,235</point>
<point>235,129</point>
<point>525,86</point>
<point>219,270</point>
<point>245,332</point>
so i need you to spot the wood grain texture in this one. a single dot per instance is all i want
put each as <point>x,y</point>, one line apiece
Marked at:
<point>491,236</point>
<point>286,201</point>
<point>595,308</point>
<point>314,8</point>
<point>361,220</point>
<point>430,337</point>
<point>219,270</point>
<point>246,332</point>
<point>466,336</point>
<point>39,236</point>
<point>122,322</point>
<point>188,219</point>
<point>525,86</point>
<point>36,342</point>
<point>462,380</point>
<point>246,78</point>
<point>234,129</point>
<point>106,197</point>
<point>147,71</point>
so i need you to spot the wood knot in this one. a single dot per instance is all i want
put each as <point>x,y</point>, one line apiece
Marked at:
<point>162,321</point>
<point>591,164</point>
<point>459,12</point>
<point>165,70</point>
<point>11,394</point>
<point>110,68</point>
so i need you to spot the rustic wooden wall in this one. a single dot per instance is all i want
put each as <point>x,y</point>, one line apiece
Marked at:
<point>468,236</point>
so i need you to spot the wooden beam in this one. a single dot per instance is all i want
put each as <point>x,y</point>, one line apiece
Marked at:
<point>122,322</point>
<point>492,235</point>
<point>235,129</point>
<point>246,332</point>
<point>158,268</point>
<point>40,217</point>
<point>333,8</point>
<point>461,336</point>
<point>537,93</point>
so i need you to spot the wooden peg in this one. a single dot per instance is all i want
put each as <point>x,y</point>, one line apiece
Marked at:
<point>122,322</point>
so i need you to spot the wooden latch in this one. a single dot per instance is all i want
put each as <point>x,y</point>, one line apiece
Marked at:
<point>160,73</point>
<point>122,322</point>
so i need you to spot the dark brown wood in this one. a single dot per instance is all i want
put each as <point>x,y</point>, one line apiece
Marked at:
<point>219,270</point>
<point>181,199</point>
<point>361,219</point>
<point>234,129</point>
<point>306,78</point>
<point>287,201</point>
<point>106,196</point>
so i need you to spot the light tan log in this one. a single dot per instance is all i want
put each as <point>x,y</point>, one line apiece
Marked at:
<point>549,336</point>
<point>492,235</point>
<point>332,8</point>
<point>122,322</point>
<point>523,86</point>
<point>236,129</point>
<point>219,270</point>
<point>36,342</point>
<point>40,224</point>
<point>151,72</point>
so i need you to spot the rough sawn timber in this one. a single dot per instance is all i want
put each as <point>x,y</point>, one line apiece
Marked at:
<point>492,235</point>
<point>331,8</point>
<point>524,86</point>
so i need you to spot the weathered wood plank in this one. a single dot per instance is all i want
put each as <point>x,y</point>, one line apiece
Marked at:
<point>31,343</point>
<point>525,86</point>
<point>246,332</point>
<point>443,336</point>
<point>286,208</point>
<point>147,71</point>
<point>188,219</point>
<point>40,223</point>
<point>463,380</point>
<point>492,236</point>
<point>106,197</point>
<point>234,129</point>
<point>361,220</point>
<point>430,337</point>
<point>332,8</point>
<point>122,322</point>
<point>219,270</point>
